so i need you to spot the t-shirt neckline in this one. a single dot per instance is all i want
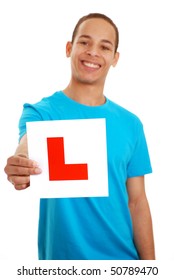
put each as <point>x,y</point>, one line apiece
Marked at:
<point>102,106</point>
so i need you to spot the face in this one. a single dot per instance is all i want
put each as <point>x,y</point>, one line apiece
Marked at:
<point>92,52</point>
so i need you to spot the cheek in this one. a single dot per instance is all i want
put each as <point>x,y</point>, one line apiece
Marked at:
<point>110,61</point>
<point>75,56</point>
<point>75,64</point>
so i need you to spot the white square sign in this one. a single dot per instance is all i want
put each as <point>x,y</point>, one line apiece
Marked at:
<point>72,155</point>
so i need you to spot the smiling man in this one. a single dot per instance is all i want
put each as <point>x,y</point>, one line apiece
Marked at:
<point>117,227</point>
<point>93,52</point>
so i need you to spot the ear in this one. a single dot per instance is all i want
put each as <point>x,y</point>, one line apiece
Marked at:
<point>115,60</point>
<point>68,49</point>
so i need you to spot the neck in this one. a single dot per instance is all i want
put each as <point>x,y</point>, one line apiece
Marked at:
<point>88,94</point>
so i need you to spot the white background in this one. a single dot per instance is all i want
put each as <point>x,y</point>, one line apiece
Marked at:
<point>33,64</point>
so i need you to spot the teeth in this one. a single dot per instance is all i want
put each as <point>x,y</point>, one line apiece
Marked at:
<point>88,64</point>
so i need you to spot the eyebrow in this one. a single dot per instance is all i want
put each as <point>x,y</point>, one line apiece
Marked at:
<point>89,37</point>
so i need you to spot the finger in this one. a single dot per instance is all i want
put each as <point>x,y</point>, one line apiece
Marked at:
<point>19,180</point>
<point>19,183</point>
<point>21,161</point>
<point>21,187</point>
<point>13,170</point>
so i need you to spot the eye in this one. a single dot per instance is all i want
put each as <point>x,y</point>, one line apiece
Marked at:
<point>105,48</point>
<point>83,43</point>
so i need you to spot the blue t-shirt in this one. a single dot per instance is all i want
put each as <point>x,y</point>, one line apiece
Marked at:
<point>93,228</point>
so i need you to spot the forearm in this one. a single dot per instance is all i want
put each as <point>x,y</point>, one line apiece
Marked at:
<point>143,231</point>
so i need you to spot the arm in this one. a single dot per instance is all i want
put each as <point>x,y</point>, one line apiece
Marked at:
<point>19,167</point>
<point>141,218</point>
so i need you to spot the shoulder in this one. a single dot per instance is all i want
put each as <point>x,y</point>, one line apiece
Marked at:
<point>123,114</point>
<point>47,108</point>
<point>45,101</point>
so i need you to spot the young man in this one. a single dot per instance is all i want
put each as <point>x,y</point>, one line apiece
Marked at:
<point>117,227</point>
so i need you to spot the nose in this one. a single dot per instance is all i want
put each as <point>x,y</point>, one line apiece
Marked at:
<point>93,50</point>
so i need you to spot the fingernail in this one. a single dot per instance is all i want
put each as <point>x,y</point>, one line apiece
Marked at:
<point>35,164</point>
<point>38,170</point>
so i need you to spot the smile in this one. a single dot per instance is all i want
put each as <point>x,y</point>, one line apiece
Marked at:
<point>91,65</point>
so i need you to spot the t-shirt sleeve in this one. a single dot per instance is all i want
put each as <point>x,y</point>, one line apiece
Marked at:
<point>139,163</point>
<point>29,114</point>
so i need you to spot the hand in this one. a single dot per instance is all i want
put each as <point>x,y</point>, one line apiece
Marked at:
<point>19,169</point>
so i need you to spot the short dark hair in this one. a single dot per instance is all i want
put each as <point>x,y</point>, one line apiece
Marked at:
<point>96,15</point>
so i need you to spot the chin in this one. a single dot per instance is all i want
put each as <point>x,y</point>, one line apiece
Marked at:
<point>88,81</point>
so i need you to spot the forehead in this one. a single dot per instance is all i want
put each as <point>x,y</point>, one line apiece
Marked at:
<point>97,28</point>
